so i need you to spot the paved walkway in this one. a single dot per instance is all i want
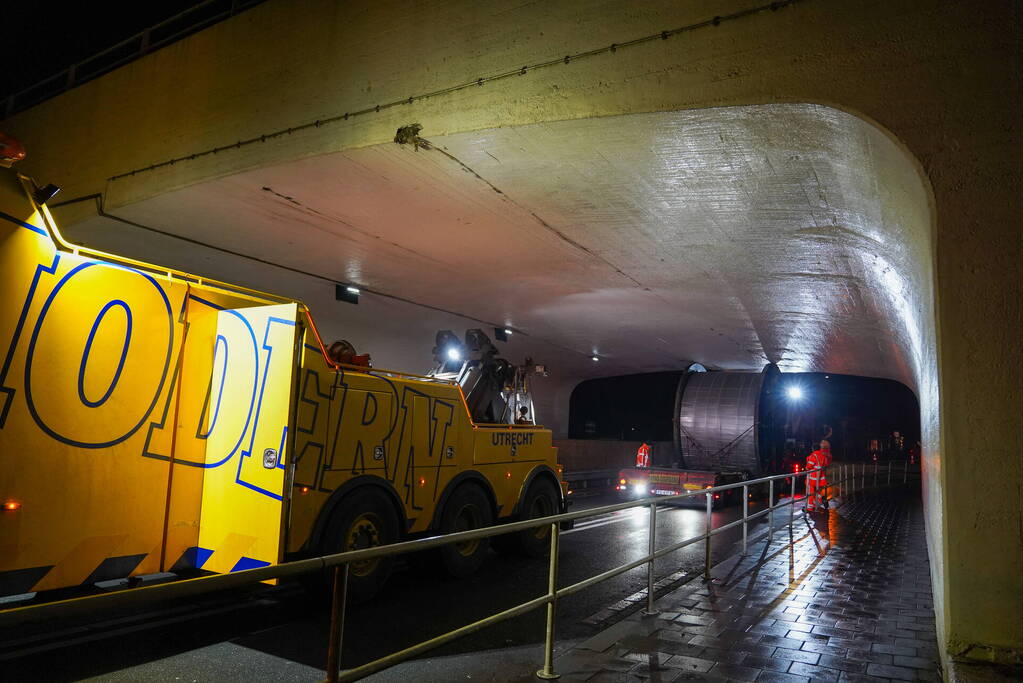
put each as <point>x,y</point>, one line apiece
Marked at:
<point>860,612</point>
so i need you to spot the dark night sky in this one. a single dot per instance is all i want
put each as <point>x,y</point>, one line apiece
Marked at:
<point>43,39</point>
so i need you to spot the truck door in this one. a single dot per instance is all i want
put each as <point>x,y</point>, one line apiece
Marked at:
<point>247,421</point>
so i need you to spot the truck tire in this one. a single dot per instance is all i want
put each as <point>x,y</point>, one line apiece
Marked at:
<point>467,508</point>
<point>541,501</point>
<point>364,519</point>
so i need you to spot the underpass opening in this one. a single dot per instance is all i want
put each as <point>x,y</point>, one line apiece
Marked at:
<point>794,234</point>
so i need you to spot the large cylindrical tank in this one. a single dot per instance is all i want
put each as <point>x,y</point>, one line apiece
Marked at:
<point>723,420</point>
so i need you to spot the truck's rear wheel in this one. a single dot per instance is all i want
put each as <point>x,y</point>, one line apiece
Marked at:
<point>541,501</point>
<point>365,519</point>
<point>467,508</point>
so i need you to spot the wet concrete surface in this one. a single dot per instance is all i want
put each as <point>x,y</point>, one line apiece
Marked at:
<point>280,633</point>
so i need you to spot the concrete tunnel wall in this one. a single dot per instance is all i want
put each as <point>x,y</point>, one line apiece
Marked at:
<point>941,78</point>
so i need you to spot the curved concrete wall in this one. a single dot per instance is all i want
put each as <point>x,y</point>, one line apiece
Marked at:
<point>941,78</point>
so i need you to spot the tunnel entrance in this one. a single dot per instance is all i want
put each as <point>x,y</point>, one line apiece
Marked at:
<point>864,418</point>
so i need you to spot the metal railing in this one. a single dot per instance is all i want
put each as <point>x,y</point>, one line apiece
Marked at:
<point>850,478</point>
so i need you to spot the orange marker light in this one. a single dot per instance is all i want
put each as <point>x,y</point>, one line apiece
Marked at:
<point>508,475</point>
<point>422,481</point>
<point>303,490</point>
<point>12,505</point>
<point>622,481</point>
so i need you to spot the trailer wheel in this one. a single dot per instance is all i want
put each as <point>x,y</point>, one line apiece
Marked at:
<point>467,508</point>
<point>541,501</point>
<point>364,520</point>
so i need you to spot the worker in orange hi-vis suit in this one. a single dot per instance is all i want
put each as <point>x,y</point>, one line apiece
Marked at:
<point>816,481</point>
<point>643,455</point>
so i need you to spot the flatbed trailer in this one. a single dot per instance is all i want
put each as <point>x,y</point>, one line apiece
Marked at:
<point>643,482</point>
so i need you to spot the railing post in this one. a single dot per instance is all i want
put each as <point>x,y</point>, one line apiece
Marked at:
<point>863,477</point>
<point>792,504</point>
<point>745,514</point>
<point>337,622</point>
<point>651,547</point>
<point>770,510</point>
<point>875,474</point>
<point>547,672</point>
<point>905,472</point>
<point>706,559</point>
<point>826,489</point>
<point>889,473</point>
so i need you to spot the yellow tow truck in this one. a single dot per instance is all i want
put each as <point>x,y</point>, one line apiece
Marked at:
<point>156,421</point>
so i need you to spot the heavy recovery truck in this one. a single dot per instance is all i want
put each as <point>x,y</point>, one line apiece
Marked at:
<point>156,421</point>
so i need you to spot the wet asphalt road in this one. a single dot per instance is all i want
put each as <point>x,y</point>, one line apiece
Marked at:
<point>282,624</point>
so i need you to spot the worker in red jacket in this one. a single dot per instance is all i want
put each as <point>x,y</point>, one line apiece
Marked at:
<point>643,455</point>
<point>816,481</point>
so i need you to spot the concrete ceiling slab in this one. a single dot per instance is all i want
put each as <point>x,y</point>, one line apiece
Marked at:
<point>727,236</point>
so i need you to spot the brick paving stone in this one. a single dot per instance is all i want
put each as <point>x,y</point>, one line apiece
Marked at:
<point>755,650</point>
<point>673,635</point>
<point>887,649</point>
<point>690,663</point>
<point>816,673</point>
<point>919,645</point>
<point>842,664</point>
<point>775,677</point>
<point>778,641</point>
<point>799,626</point>
<point>888,671</point>
<point>796,655</point>
<point>735,672</point>
<point>804,636</point>
<point>916,662</point>
<point>687,649</point>
<point>824,648</point>
<point>766,663</point>
<point>869,657</point>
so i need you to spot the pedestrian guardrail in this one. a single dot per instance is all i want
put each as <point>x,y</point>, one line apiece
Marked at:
<point>850,479</point>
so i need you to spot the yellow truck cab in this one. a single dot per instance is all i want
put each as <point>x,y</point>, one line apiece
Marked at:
<point>152,421</point>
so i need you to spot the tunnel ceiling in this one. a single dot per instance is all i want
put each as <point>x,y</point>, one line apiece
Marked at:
<point>725,236</point>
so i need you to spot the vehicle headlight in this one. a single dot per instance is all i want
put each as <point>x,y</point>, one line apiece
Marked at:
<point>639,488</point>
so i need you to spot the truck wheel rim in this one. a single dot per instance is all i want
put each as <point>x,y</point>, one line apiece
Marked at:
<point>540,507</point>
<point>468,518</point>
<point>364,533</point>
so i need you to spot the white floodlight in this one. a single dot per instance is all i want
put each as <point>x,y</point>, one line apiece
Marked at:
<point>794,393</point>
